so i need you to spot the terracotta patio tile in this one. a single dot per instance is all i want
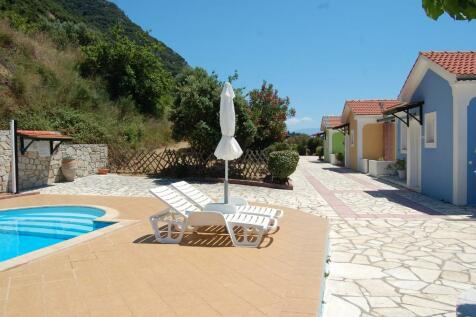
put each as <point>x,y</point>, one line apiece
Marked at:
<point>294,314</point>
<point>301,305</point>
<point>60,298</point>
<point>300,291</point>
<point>203,310</point>
<point>25,301</point>
<point>2,308</point>
<point>26,280</point>
<point>58,275</point>
<point>4,287</point>
<point>144,303</point>
<point>106,311</point>
<point>233,307</point>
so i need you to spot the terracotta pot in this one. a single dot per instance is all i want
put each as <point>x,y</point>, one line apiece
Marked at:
<point>103,171</point>
<point>68,168</point>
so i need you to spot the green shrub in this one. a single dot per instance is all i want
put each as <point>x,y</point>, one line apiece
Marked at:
<point>313,143</point>
<point>340,157</point>
<point>399,165</point>
<point>196,108</point>
<point>278,146</point>
<point>303,143</point>
<point>129,69</point>
<point>281,164</point>
<point>320,151</point>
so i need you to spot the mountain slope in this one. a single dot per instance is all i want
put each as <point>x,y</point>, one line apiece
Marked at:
<point>99,15</point>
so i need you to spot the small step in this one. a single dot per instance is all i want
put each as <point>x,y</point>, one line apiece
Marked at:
<point>86,222</point>
<point>47,214</point>
<point>46,225</point>
<point>43,232</point>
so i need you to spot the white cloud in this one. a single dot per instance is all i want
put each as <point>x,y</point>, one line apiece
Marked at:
<point>297,121</point>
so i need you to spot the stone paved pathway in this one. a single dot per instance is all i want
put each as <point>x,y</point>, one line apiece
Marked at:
<point>393,252</point>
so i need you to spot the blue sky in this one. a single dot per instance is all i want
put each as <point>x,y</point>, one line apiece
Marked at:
<point>319,53</point>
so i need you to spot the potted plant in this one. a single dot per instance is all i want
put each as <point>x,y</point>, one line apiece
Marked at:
<point>320,152</point>
<point>103,171</point>
<point>340,157</point>
<point>68,168</point>
<point>401,167</point>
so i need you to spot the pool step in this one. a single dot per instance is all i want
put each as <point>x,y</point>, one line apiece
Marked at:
<point>45,232</point>
<point>47,225</point>
<point>86,222</point>
<point>63,215</point>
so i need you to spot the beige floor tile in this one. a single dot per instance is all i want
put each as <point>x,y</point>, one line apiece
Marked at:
<point>25,280</point>
<point>301,305</point>
<point>58,275</point>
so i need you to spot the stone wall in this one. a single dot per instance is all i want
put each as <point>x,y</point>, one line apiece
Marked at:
<point>5,158</point>
<point>37,168</point>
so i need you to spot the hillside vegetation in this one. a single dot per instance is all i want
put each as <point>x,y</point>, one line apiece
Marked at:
<point>83,68</point>
<point>41,86</point>
<point>57,16</point>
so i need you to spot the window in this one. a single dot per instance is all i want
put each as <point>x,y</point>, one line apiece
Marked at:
<point>352,137</point>
<point>403,137</point>
<point>430,130</point>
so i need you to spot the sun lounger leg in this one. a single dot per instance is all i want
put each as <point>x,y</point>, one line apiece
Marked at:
<point>172,223</point>
<point>246,238</point>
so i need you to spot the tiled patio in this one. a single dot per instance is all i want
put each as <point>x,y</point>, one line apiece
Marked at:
<point>126,273</point>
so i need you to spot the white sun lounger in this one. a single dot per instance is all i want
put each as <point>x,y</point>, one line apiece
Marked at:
<point>182,215</point>
<point>201,200</point>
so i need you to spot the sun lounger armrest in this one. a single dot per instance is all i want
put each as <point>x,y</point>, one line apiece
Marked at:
<point>222,208</point>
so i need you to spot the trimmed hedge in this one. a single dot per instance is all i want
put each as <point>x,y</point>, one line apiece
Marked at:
<point>279,146</point>
<point>281,164</point>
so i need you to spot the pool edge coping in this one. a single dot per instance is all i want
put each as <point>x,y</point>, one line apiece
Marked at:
<point>110,215</point>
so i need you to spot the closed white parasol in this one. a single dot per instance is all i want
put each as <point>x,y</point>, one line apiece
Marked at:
<point>228,148</point>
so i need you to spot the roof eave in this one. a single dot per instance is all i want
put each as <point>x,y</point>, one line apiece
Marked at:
<point>465,77</point>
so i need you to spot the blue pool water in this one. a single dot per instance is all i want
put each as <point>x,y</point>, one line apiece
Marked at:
<point>29,229</point>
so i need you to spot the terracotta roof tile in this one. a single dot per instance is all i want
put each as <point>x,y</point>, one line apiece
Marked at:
<point>43,134</point>
<point>458,63</point>
<point>370,107</point>
<point>331,121</point>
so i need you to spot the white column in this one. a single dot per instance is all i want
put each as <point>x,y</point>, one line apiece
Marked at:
<point>331,132</point>
<point>360,129</point>
<point>463,92</point>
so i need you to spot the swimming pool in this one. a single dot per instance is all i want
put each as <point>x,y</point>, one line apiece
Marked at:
<point>28,229</point>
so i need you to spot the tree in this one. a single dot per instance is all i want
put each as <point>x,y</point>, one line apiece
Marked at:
<point>457,9</point>
<point>269,114</point>
<point>195,111</point>
<point>130,69</point>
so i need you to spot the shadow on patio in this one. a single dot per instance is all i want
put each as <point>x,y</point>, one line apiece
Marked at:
<point>210,237</point>
<point>341,170</point>
<point>440,208</point>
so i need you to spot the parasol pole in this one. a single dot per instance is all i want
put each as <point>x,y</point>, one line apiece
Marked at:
<point>226,182</point>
